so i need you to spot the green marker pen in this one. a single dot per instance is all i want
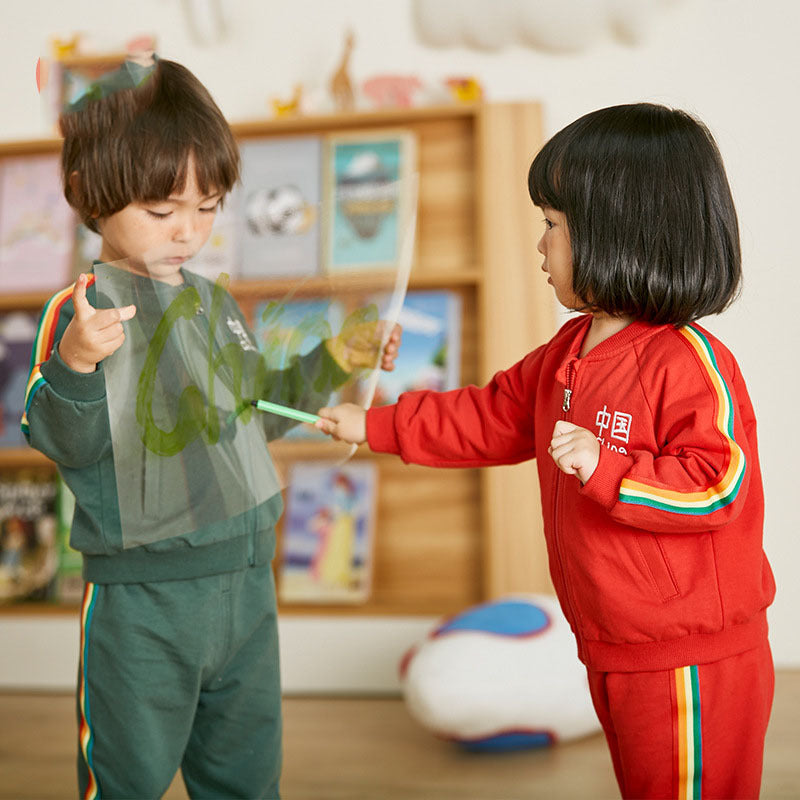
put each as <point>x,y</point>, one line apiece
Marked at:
<point>283,411</point>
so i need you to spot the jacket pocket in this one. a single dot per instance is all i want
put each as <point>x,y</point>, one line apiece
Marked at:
<point>657,566</point>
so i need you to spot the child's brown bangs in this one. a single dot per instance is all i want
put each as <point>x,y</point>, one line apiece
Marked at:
<point>216,166</point>
<point>134,145</point>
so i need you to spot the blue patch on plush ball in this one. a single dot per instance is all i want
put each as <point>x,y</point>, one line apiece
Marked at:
<point>507,618</point>
<point>505,742</point>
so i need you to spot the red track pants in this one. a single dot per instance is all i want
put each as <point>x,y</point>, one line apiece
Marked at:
<point>691,733</point>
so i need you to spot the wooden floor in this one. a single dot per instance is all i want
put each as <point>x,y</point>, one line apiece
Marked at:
<point>369,749</point>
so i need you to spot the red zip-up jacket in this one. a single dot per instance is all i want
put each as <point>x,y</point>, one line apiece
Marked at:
<point>657,560</point>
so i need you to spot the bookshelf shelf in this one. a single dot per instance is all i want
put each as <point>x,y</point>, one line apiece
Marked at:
<point>422,279</point>
<point>23,457</point>
<point>445,539</point>
<point>28,301</point>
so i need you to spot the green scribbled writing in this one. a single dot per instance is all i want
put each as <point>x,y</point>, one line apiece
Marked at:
<point>278,374</point>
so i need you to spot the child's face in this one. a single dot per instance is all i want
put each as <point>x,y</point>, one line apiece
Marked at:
<point>157,237</point>
<point>555,247</point>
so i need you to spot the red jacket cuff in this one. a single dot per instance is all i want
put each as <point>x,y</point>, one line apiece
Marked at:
<point>603,486</point>
<point>381,435</point>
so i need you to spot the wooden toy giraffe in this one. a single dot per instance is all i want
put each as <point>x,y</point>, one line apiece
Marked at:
<point>340,86</point>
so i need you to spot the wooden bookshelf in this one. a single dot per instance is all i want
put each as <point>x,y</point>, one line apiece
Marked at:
<point>445,539</point>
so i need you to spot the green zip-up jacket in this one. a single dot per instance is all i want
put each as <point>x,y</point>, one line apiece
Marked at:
<point>67,418</point>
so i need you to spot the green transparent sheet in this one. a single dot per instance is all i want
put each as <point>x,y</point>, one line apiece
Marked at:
<point>190,450</point>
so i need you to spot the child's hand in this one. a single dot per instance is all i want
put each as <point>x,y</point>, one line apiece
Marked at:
<point>357,345</point>
<point>92,334</point>
<point>346,422</point>
<point>392,347</point>
<point>575,450</point>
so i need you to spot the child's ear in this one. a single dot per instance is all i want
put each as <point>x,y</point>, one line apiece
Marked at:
<point>74,183</point>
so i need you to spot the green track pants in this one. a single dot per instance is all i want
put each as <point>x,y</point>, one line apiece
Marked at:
<point>180,674</point>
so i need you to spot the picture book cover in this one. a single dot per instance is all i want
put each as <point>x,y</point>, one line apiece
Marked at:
<point>221,252</point>
<point>37,226</point>
<point>86,250</point>
<point>279,207</point>
<point>69,578</point>
<point>367,198</point>
<point>28,534</point>
<point>430,351</point>
<point>328,532</point>
<point>288,328</point>
<point>17,332</point>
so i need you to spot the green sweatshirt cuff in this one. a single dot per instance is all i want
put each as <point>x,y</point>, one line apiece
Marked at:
<point>72,385</point>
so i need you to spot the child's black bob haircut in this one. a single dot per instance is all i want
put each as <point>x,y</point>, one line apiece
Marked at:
<point>651,220</point>
<point>133,144</point>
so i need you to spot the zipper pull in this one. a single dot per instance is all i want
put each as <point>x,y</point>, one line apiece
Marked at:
<point>570,371</point>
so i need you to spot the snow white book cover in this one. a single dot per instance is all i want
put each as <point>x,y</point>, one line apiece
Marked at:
<point>326,554</point>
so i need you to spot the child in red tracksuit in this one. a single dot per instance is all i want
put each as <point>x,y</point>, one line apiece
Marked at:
<point>646,446</point>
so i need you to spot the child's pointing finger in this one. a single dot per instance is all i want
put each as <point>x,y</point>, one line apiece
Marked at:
<point>83,309</point>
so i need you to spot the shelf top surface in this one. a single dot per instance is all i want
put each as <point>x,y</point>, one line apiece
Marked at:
<point>271,125</point>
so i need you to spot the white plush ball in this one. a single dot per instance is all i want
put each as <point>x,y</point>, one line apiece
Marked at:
<point>499,676</point>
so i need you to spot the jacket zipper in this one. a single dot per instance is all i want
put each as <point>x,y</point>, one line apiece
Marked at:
<point>565,407</point>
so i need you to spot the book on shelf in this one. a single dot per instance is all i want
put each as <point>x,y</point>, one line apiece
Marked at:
<point>430,350</point>
<point>289,328</point>
<point>368,198</point>
<point>220,253</point>
<point>36,225</point>
<point>279,207</point>
<point>328,533</point>
<point>28,534</point>
<point>86,250</point>
<point>17,332</point>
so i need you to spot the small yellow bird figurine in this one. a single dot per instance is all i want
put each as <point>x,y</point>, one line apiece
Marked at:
<point>288,108</point>
<point>465,90</point>
<point>64,48</point>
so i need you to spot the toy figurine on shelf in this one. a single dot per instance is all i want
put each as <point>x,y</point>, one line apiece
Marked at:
<point>391,91</point>
<point>291,107</point>
<point>65,48</point>
<point>42,74</point>
<point>465,89</point>
<point>340,86</point>
<point>141,49</point>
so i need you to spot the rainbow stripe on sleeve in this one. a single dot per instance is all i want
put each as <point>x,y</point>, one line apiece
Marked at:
<point>43,345</point>
<point>720,494</point>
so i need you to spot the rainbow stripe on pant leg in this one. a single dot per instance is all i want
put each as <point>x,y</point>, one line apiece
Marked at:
<point>85,733</point>
<point>690,740</point>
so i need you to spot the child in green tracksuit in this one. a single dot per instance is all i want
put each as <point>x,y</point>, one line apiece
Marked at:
<point>179,650</point>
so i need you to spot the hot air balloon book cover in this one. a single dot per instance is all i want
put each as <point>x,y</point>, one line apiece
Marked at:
<point>279,207</point>
<point>367,201</point>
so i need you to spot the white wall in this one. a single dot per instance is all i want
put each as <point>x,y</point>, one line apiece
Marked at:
<point>736,63</point>
<point>360,654</point>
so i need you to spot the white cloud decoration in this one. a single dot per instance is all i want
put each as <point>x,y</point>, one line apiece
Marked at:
<point>559,26</point>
